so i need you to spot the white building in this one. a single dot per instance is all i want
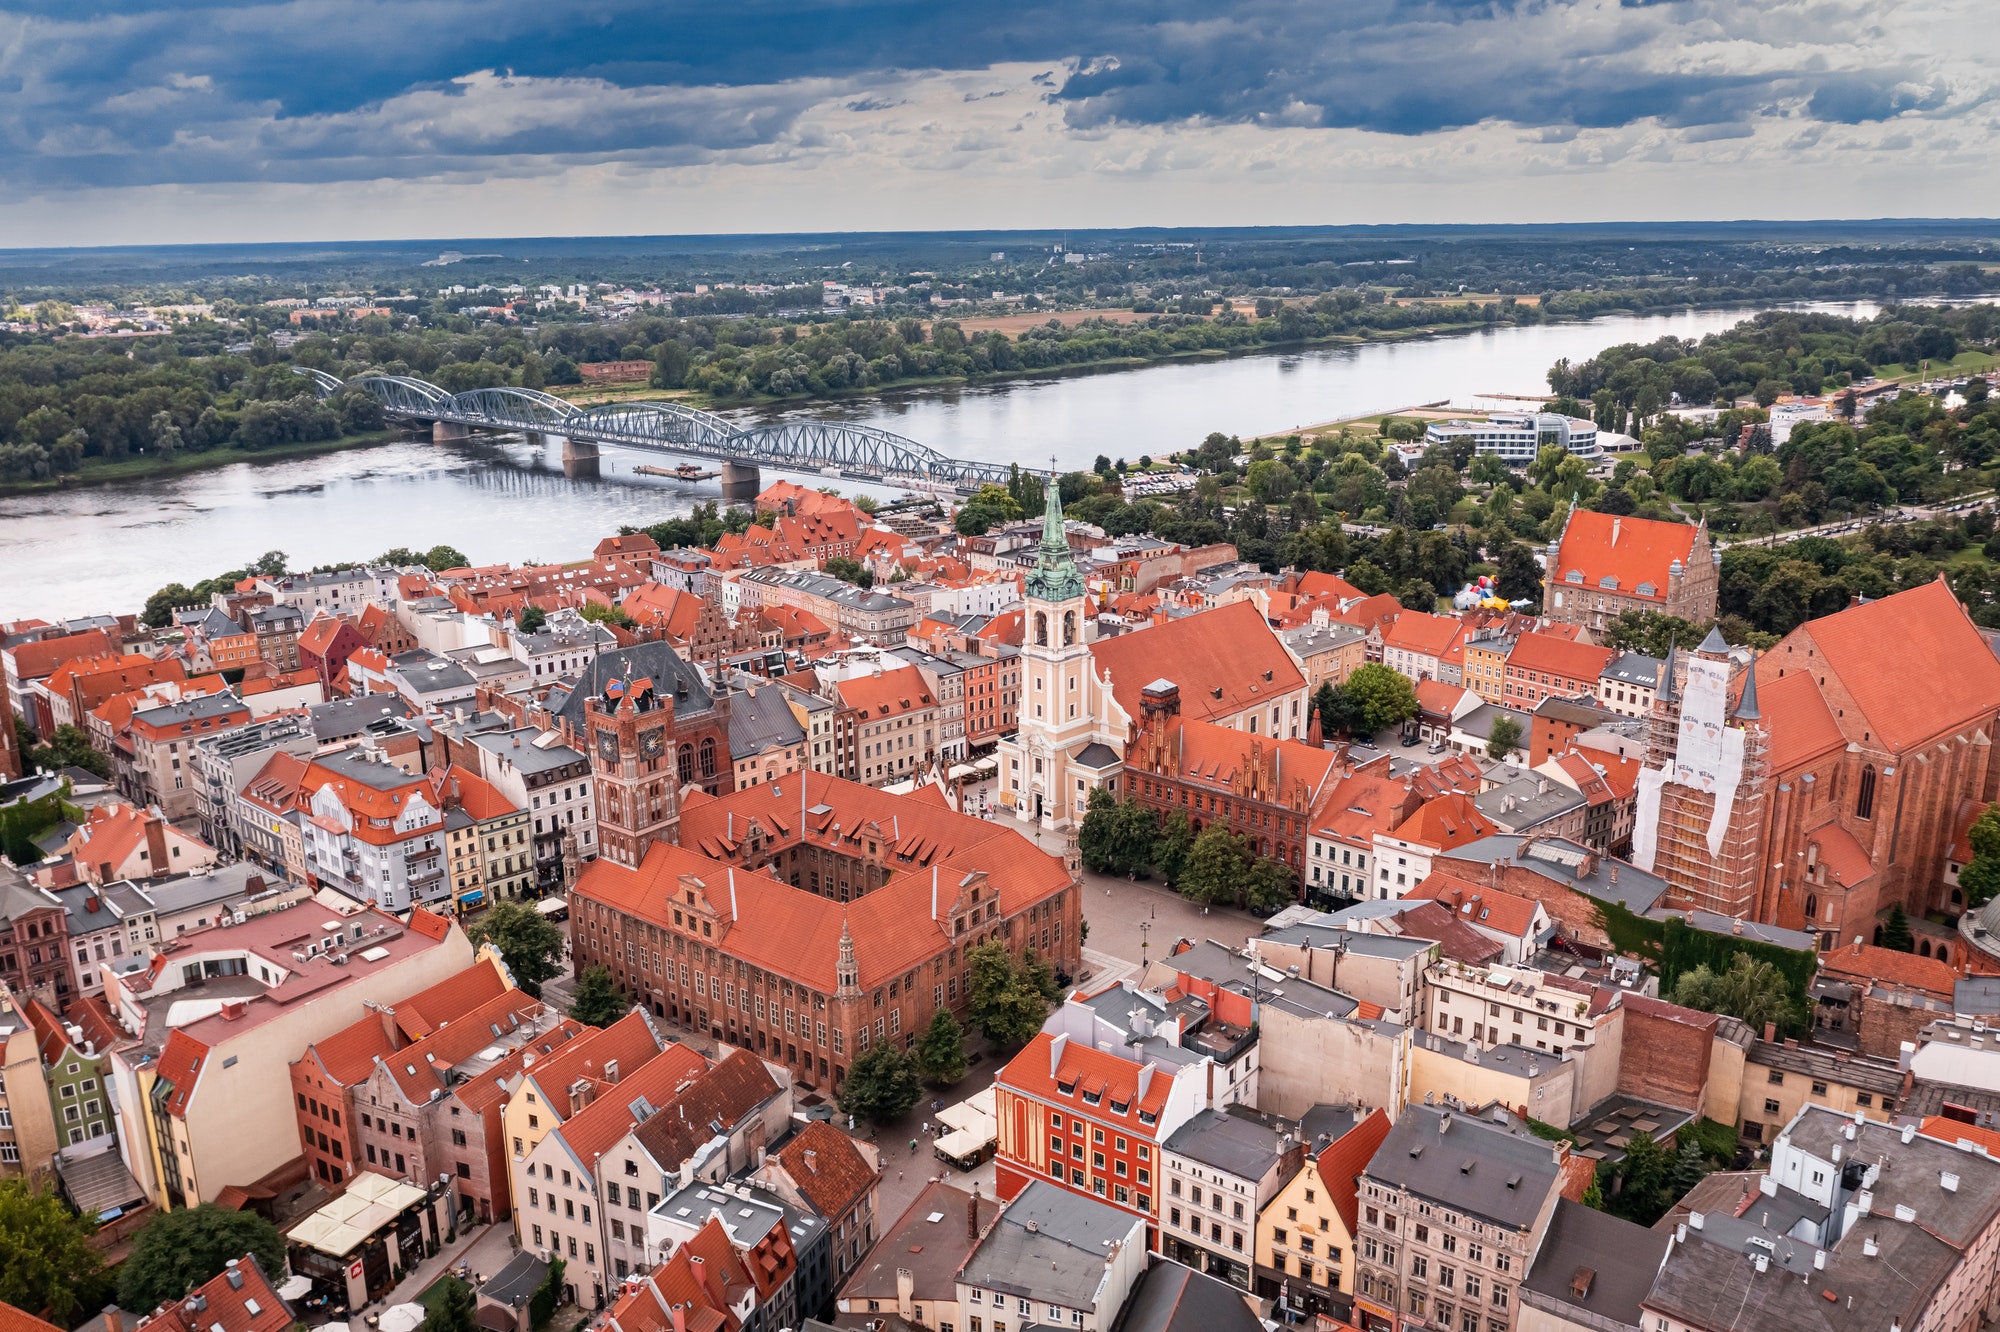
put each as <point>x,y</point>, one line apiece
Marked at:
<point>1517,437</point>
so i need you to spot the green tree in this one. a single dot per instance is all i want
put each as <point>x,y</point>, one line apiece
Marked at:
<point>1754,991</point>
<point>849,571</point>
<point>47,1266</point>
<point>940,1052</point>
<point>1217,867</point>
<point>600,613</point>
<point>166,436</point>
<point>1652,632</point>
<point>453,1310</point>
<point>532,619</point>
<point>1382,697</point>
<point>1098,831</point>
<point>529,942</point>
<point>1504,738</point>
<point>1520,577</point>
<point>1645,1190</point>
<point>1006,1003</point>
<point>1593,1192</point>
<point>881,1085</point>
<point>68,747</point>
<point>542,1305</point>
<point>1690,1168</point>
<point>1172,845</point>
<point>1270,886</point>
<point>670,365</point>
<point>1896,931</point>
<point>439,558</point>
<point>990,506</point>
<point>597,1002</point>
<point>177,1251</point>
<point>1980,879</point>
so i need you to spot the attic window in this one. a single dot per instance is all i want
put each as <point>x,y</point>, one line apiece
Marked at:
<point>1148,1117</point>
<point>1573,576</point>
<point>1608,583</point>
<point>1066,1088</point>
<point>1121,1107</point>
<point>1093,1097</point>
<point>1647,590</point>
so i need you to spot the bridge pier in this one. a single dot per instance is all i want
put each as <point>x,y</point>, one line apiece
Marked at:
<point>444,430</point>
<point>741,481</point>
<point>580,459</point>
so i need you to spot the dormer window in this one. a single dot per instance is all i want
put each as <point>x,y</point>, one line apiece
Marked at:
<point>1573,576</point>
<point>1093,1097</point>
<point>1148,1117</point>
<point>1121,1107</point>
<point>1648,590</point>
<point>1066,1088</point>
<point>1608,583</point>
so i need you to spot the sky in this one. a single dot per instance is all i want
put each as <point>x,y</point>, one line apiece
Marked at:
<point>146,121</point>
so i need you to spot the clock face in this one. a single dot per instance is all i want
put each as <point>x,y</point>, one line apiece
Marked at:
<point>653,743</point>
<point>607,746</point>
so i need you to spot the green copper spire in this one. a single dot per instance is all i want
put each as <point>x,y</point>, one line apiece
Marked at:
<point>1055,576</point>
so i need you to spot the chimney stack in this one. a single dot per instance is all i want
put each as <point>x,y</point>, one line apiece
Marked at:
<point>972,1218</point>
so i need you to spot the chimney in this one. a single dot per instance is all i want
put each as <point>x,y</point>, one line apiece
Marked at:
<point>581,1093</point>
<point>1770,1031</point>
<point>114,1318</point>
<point>611,1070</point>
<point>906,1289</point>
<point>972,1218</point>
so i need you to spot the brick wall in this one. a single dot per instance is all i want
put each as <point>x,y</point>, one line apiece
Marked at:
<point>1666,1053</point>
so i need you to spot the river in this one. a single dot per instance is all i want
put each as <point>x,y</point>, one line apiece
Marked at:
<point>504,498</point>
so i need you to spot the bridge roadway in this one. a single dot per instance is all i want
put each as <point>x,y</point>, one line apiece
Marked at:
<point>824,448</point>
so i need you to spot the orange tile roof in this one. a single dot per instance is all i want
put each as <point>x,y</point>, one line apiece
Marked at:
<point>93,1015</point>
<point>591,1131</point>
<point>1365,804</point>
<point>1444,822</point>
<point>119,673</point>
<point>1868,963</point>
<point>1230,649</point>
<point>1215,755</point>
<point>630,1042</point>
<point>1475,904</point>
<point>1842,856</point>
<point>1953,1131</point>
<point>886,695</point>
<point>1085,1068</point>
<point>1631,550</point>
<point>20,1320</point>
<point>1802,726</point>
<point>1424,635</point>
<point>423,1067</point>
<point>670,610</point>
<point>1559,656</point>
<point>714,1102</point>
<point>1341,1164</point>
<point>495,1084</point>
<point>828,1169</point>
<point>1326,584</point>
<point>36,661</point>
<point>477,796</point>
<point>318,636</point>
<point>111,834</point>
<point>1438,698</point>
<point>1872,647</point>
<point>451,997</point>
<point>180,1063</point>
<point>1370,612</point>
<point>224,1307</point>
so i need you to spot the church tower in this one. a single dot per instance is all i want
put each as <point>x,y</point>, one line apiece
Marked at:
<point>1056,693</point>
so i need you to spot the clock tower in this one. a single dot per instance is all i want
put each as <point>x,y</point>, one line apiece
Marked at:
<point>630,733</point>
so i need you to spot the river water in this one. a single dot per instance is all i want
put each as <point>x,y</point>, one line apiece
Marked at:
<point>506,498</point>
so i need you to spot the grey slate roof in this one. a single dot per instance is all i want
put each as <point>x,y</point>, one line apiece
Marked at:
<point>350,716</point>
<point>1234,1144</point>
<point>760,720</point>
<point>1174,1298</point>
<point>1473,1167</point>
<point>1559,860</point>
<point>1634,668</point>
<point>671,675</point>
<point>1595,1262</point>
<point>1062,1259</point>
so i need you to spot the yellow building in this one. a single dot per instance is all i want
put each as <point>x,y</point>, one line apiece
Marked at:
<point>1486,666</point>
<point>1305,1236</point>
<point>487,840</point>
<point>1443,1069</point>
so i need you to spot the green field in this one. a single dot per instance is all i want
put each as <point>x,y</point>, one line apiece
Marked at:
<point>97,471</point>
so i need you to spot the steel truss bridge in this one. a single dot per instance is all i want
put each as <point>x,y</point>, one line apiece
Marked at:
<point>855,452</point>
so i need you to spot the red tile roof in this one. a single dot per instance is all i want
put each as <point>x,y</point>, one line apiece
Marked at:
<point>1326,584</point>
<point>828,1169</point>
<point>1083,1068</point>
<point>630,1042</point>
<point>715,1102</point>
<point>1559,656</point>
<point>1421,634</point>
<point>1341,1164</point>
<point>591,1131</point>
<point>1444,822</point>
<point>20,1320</point>
<point>36,661</point>
<point>1871,648</point>
<point>1477,905</point>
<point>1841,855</point>
<point>226,1302</point>
<point>1631,550</point>
<point>1438,698</point>
<point>1867,963</point>
<point>1953,1131</point>
<point>477,796</point>
<point>1454,938</point>
<point>1802,726</point>
<point>495,1084</point>
<point>887,695</point>
<point>180,1063</point>
<point>1230,649</point>
<point>423,1067</point>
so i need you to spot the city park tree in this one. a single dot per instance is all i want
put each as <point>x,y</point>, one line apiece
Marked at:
<point>1504,738</point>
<point>882,1084</point>
<point>1378,698</point>
<point>597,1002</point>
<point>1117,837</point>
<point>1757,992</point>
<point>47,1265</point>
<point>940,1052</point>
<point>529,942</point>
<point>179,1250</point>
<point>1009,998</point>
<point>1981,876</point>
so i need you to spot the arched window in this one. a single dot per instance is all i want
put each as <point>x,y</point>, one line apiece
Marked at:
<point>1812,908</point>
<point>1041,628</point>
<point>1924,948</point>
<point>1944,953</point>
<point>1069,628</point>
<point>707,756</point>
<point>687,764</point>
<point>1864,803</point>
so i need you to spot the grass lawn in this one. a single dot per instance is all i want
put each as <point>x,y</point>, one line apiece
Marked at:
<point>433,1297</point>
<point>1966,362</point>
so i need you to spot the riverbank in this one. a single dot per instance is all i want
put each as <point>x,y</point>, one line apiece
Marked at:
<point>99,472</point>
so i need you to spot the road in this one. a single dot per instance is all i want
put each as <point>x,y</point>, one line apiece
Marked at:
<point>1897,514</point>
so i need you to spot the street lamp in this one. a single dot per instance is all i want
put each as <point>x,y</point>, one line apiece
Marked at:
<point>1145,931</point>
